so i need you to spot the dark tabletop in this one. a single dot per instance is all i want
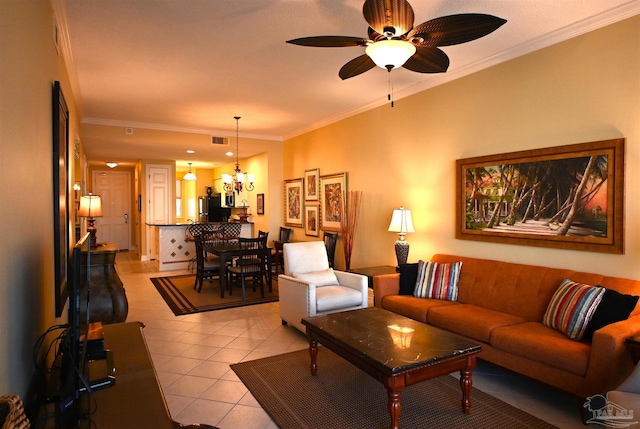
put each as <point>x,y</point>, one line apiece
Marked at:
<point>389,339</point>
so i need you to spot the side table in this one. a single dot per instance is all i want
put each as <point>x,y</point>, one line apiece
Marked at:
<point>371,272</point>
<point>107,300</point>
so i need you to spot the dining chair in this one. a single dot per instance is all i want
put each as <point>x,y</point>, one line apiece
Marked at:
<point>251,263</point>
<point>276,253</point>
<point>198,228</point>
<point>330,239</point>
<point>206,268</point>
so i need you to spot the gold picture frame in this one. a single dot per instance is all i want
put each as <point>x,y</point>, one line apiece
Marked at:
<point>333,201</point>
<point>293,192</point>
<point>566,197</point>
<point>312,185</point>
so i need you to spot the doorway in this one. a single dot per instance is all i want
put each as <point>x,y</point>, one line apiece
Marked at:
<point>114,188</point>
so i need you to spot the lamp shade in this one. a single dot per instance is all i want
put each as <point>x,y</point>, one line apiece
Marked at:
<point>90,206</point>
<point>401,221</point>
<point>390,53</point>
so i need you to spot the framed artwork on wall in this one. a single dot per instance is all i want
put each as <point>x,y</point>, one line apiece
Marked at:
<point>293,202</point>
<point>260,204</point>
<point>312,220</point>
<point>61,228</point>
<point>333,195</point>
<point>312,185</point>
<point>566,197</point>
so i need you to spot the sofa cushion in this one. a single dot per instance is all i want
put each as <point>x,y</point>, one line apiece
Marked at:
<point>571,308</point>
<point>412,307</point>
<point>437,281</point>
<point>408,275</point>
<point>330,298</point>
<point>318,278</point>
<point>470,320</point>
<point>613,308</point>
<point>536,342</point>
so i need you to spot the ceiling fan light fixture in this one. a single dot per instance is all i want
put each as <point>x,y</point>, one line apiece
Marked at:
<point>392,53</point>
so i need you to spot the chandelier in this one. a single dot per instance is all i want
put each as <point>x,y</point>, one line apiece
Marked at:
<point>239,180</point>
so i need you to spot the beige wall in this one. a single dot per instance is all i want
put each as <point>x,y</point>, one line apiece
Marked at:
<point>585,89</point>
<point>28,66</point>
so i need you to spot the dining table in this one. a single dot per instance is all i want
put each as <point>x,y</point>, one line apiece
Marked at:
<point>227,250</point>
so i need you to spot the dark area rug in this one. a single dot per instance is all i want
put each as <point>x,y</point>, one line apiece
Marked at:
<point>343,397</point>
<point>182,298</point>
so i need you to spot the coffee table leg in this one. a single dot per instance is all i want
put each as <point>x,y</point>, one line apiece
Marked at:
<point>465,384</point>
<point>394,408</point>
<point>313,352</point>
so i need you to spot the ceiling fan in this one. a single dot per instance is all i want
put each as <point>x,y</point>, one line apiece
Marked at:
<point>393,41</point>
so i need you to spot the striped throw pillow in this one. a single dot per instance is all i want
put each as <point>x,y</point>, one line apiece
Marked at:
<point>437,280</point>
<point>571,308</point>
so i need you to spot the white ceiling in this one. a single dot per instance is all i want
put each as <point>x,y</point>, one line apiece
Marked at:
<point>192,65</point>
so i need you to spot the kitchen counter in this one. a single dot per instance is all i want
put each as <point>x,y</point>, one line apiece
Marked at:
<point>173,248</point>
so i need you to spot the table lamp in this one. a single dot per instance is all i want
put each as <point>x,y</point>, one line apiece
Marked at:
<point>402,224</point>
<point>90,207</point>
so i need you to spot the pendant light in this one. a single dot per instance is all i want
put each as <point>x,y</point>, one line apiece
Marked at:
<point>189,175</point>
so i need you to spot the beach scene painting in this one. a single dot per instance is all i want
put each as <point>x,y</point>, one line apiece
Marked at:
<point>568,197</point>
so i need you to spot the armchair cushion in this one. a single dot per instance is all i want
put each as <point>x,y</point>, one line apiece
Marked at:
<point>319,278</point>
<point>330,298</point>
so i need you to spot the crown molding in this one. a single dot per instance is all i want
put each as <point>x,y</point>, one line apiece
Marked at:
<point>178,129</point>
<point>61,30</point>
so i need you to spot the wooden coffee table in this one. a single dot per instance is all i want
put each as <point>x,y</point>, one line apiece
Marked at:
<point>393,349</point>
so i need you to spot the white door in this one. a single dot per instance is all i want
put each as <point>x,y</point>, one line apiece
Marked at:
<point>159,197</point>
<point>158,191</point>
<point>114,188</point>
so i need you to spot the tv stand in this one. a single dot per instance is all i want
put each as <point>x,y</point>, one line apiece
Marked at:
<point>135,400</point>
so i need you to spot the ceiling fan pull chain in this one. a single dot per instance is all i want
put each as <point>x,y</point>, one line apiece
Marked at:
<point>390,94</point>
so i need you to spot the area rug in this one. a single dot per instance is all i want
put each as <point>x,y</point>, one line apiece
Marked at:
<point>182,298</point>
<point>341,396</point>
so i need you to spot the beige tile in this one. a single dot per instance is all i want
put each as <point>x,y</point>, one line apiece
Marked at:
<point>179,365</point>
<point>246,417</point>
<point>210,369</point>
<point>200,352</point>
<point>204,412</point>
<point>225,391</point>
<point>190,386</point>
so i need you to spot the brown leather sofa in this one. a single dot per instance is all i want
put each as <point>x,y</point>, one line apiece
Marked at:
<point>501,305</point>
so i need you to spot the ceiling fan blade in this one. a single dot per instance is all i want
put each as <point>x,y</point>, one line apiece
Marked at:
<point>454,29</point>
<point>329,41</point>
<point>356,66</point>
<point>428,60</point>
<point>385,14</point>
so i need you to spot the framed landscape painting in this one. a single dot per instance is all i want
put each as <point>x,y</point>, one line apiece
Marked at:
<point>312,185</point>
<point>567,197</point>
<point>333,195</point>
<point>293,202</point>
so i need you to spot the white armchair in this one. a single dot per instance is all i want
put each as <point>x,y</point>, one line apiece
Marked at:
<point>309,287</point>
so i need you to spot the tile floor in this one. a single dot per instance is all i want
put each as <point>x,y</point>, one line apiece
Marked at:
<point>192,354</point>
